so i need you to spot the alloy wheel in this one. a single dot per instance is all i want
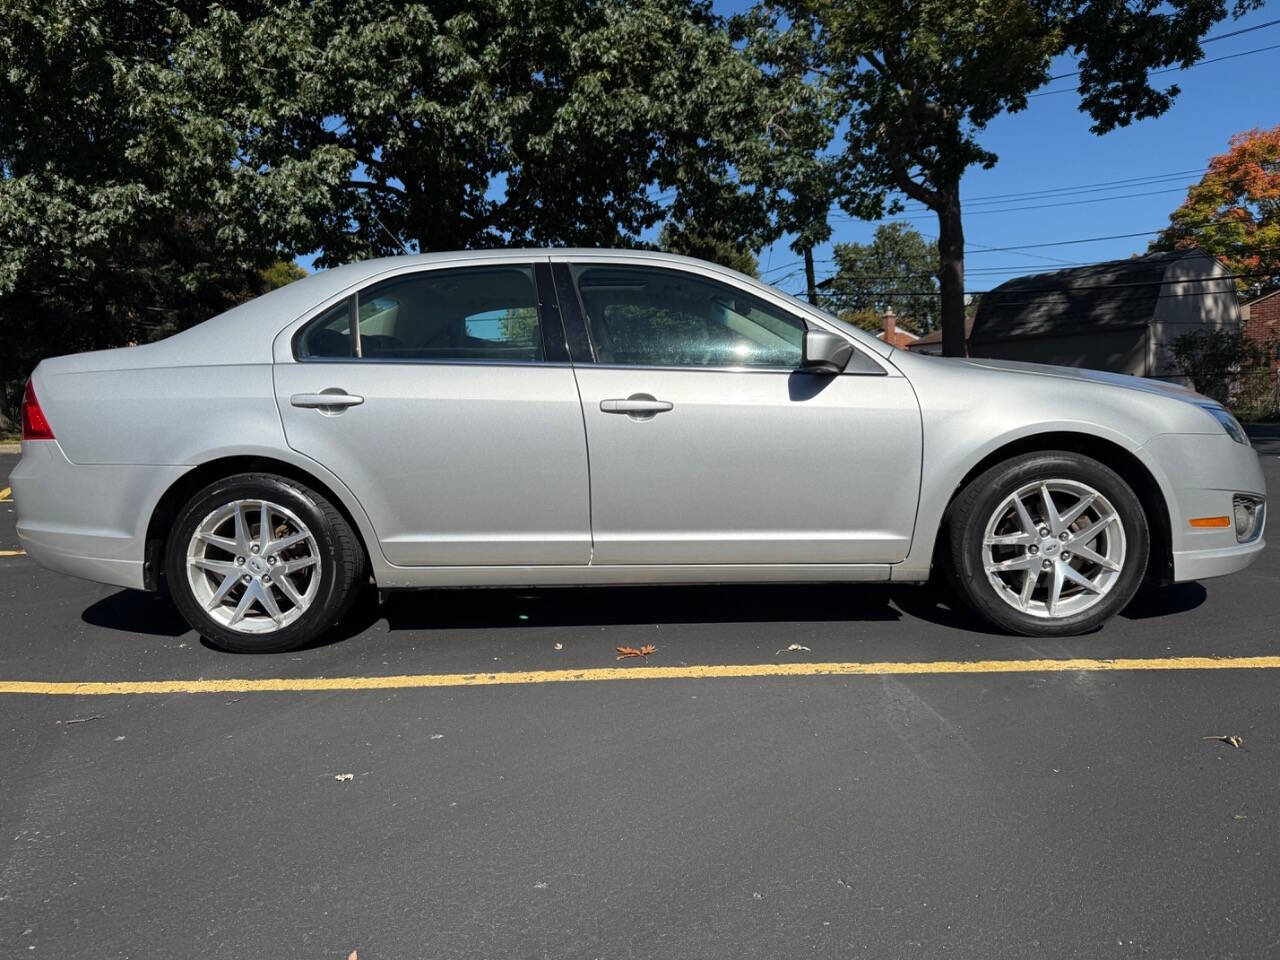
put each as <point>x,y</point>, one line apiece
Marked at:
<point>1053,548</point>
<point>253,566</point>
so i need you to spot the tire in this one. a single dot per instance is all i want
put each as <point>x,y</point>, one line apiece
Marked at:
<point>1106,545</point>
<point>225,578</point>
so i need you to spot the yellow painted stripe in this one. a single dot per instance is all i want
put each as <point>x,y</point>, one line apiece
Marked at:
<point>414,681</point>
<point>13,553</point>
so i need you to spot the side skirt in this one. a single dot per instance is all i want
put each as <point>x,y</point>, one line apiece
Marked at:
<point>397,578</point>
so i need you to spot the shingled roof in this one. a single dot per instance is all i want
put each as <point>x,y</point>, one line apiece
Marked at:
<point>1114,295</point>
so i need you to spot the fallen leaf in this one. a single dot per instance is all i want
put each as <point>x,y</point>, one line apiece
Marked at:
<point>644,651</point>
<point>352,956</point>
<point>1239,816</point>
<point>559,646</point>
<point>344,777</point>
<point>1233,741</point>
<point>794,646</point>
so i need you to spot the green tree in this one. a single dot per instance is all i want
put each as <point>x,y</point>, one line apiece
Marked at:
<point>497,122</point>
<point>1234,211</point>
<point>1216,360</point>
<point>897,269</point>
<point>691,241</point>
<point>921,81</point>
<point>122,214</point>
<point>281,273</point>
<point>156,157</point>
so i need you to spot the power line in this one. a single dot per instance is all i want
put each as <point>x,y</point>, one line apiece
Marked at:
<point>1220,36</point>
<point>1045,206</point>
<point>1038,295</point>
<point>1204,225</point>
<point>1082,188</point>
<point>1156,73</point>
<point>1236,33</point>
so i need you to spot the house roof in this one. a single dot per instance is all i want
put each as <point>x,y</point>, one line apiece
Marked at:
<point>901,338</point>
<point>935,336</point>
<point>1114,295</point>
<point>1260,298</point>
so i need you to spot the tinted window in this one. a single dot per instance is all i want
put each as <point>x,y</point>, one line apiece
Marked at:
<point>477,313</point>
<point>653,317</point>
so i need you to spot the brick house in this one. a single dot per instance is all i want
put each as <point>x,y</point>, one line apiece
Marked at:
<point>1260,322</point>
<point>902,339</point>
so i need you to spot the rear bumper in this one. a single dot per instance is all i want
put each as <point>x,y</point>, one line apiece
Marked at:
<point>86,520</point>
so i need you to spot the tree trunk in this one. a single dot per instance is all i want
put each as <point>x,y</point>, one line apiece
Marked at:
<point>811,283</point>
<point>951,270</point>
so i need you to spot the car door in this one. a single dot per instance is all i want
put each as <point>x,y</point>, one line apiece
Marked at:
<point>707,445</point>
<point>450,409</point>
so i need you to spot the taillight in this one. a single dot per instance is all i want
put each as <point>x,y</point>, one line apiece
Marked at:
<point>34,424</point>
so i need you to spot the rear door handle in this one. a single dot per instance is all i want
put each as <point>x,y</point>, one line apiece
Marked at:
<point>644,406</point>
<point>338,398</point>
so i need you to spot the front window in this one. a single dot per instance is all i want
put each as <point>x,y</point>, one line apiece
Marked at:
<point>475,313</point>
<point>645,316</point>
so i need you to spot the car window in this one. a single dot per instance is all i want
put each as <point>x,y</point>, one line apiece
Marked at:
<point>645,316</point>
<point>475,313</point>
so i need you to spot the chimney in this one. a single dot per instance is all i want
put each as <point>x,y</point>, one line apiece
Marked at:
<point>890,325</point>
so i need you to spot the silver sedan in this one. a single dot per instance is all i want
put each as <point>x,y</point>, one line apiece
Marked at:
<point>559,417</point>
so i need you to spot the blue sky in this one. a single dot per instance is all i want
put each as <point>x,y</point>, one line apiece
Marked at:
<point>1049,147</point>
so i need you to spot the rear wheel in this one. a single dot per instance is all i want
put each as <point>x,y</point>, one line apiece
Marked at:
<point>1048,544</point>
<point>259,564</point>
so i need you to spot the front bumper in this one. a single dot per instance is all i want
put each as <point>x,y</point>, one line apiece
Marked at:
<point>86,520</point>
<point>1202,472</point>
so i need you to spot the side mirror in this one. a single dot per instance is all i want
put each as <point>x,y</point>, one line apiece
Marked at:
<point>825,352</point>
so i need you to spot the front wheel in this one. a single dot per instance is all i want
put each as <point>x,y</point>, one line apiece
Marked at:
<point>1048,544</point>
<point>261,564</point>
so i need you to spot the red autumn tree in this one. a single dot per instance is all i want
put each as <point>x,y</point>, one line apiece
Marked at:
<point>1234,211</point>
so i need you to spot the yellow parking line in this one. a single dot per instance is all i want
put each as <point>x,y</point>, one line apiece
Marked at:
<point>13,553</point>
<point>413,681</point>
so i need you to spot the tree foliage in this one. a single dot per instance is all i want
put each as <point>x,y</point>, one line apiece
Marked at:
<point>1234,211</point>
<point>499,122</point>
<point>1216,360</point>
<point>897,269</point>
<point>156,157</point>
<point>691,240</point>
<point>920,82</point>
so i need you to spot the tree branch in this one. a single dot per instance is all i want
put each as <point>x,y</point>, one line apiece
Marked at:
<point>369,185</point>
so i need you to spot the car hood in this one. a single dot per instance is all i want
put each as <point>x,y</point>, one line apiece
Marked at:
<point>1143,384</point>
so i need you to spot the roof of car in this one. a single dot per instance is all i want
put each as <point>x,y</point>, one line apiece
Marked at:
<point>237,336</point>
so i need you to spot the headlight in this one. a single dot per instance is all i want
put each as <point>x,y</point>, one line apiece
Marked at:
<point>1229,423</point>
<point>1249,513</point>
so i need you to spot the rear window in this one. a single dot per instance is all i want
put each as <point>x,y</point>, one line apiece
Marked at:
<point>473,313</point>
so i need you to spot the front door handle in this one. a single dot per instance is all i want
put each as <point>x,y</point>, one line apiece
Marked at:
<point>326,399</point>
<point>641,405</point>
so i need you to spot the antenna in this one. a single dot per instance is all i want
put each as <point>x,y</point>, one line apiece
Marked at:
<point>399,242</point>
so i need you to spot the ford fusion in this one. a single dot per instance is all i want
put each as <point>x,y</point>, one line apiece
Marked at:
<point>585,417</point>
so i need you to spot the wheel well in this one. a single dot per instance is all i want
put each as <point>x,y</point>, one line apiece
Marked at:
<point>1112,455</point>
<point>166,511</point>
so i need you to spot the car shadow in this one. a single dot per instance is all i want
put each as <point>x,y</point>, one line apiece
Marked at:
<point>135,611</point>
<point>132,611</point>
<point>1152,601</point>
<point>694,604</point>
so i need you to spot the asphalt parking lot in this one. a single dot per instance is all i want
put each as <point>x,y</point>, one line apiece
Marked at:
<point>963,813</point>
